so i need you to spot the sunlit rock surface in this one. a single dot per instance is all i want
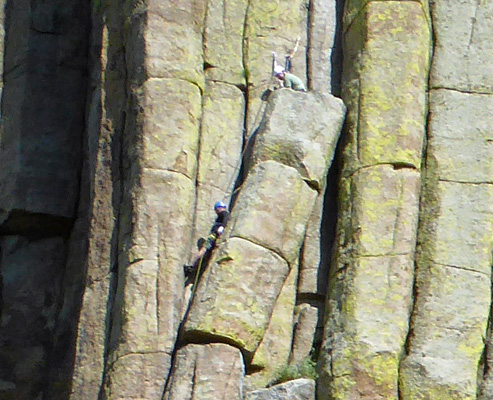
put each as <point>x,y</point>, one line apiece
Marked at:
<point>122,122</point>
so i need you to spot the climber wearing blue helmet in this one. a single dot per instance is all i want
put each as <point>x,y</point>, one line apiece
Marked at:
<point>220,204</point>
<point>206,245</point>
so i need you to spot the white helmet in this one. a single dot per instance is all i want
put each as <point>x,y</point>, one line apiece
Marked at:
<point>278,70</point>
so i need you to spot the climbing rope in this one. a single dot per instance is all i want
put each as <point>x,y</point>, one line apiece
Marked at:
<point>248,132</point>
<point>199,268</point>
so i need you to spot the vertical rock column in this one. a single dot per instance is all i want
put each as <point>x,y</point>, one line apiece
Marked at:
<point>386,48</point>
<point>93,251</point>
<point>44,63</point>
<point>453,283</point>
<point>163,46</point>
<point>223,108</point>
<point>321,44</point>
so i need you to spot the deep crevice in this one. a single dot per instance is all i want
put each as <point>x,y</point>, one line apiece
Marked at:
<point>422,221</point>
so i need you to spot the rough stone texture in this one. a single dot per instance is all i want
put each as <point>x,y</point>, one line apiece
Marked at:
<point>2,40</point>
<point>315,118</point>
<point>313,273</point>
<point>150,164</point>
<point>148,302</point>
<point>31,285</point>
<point>273,351</point>
<point>271,215</point>
<point>172,40</point>
<point>93,262</point>
<point>136,376</point>
<point>454,269</point>
<point>460,142</point>
<point>236,296</point>
<point>386,52</point>
<point>223,41</point>
<point>207,372</point>
<point>170,119</point>
<point>265,33</point>
<point>44,85</point>
<point>446,366</point>
<point>371,290</point>
<point>322,38</point>
<point>221,141</point>
<point>161,140</point>
<point>463,47</point>
<point>172,76</point>
<point>298,389</point>
<point>43,107</point>
<point>306,319</point>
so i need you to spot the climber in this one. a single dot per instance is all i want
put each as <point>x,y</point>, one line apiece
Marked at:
<point>206,245</point>
<point>286,78</point>
<point>287,58</point>
<point>289,80</point>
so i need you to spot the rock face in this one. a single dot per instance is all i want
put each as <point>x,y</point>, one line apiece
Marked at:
<point>454,264</point>
<point>371,287</point>
<point>237,296</point>
<point>359,250</point>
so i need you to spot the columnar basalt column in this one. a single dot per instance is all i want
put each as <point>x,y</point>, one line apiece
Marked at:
<point>453,283</point>
<point>386,49</point>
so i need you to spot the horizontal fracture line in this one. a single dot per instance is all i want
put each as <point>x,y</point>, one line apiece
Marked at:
<point>140,353</point>
<point>460,90</point>
<point>158,78</point>
<point>166,170</point>
<point>462,269</point>
<point>399,164</point>
<point>464,182</point>
<point>381,255</point>
<point>260,245</point>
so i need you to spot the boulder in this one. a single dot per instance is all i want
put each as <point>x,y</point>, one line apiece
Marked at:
<point>298,389</point>
<point>235,298</point>
<point>300,130</point>
<point>270,214</point>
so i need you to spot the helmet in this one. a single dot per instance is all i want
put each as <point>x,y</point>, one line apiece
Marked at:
<point>278,70</point>
<point>219,204</point>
